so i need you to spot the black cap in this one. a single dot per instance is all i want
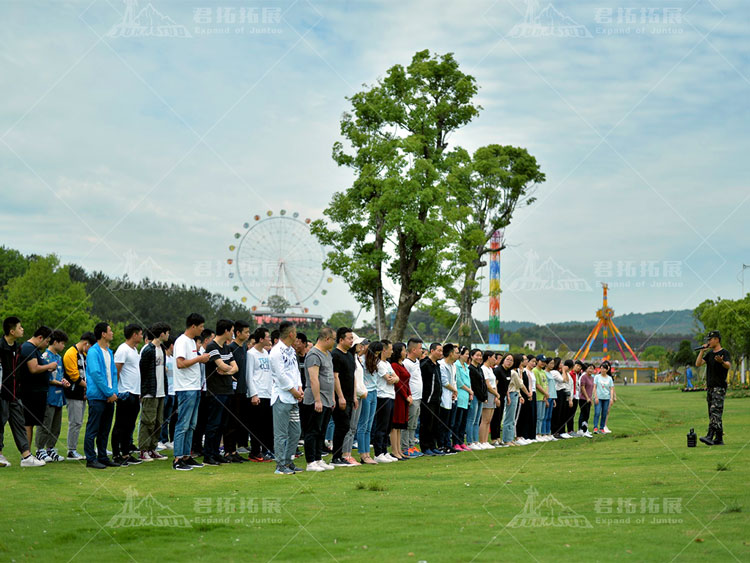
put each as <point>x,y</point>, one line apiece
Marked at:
<point>714,334</point>
<point>542,358</point>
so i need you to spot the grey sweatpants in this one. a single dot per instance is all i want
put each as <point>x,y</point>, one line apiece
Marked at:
<point>409,436</point>
<point>353,423</point>
<point>49,432</point>
<point>76,410</point>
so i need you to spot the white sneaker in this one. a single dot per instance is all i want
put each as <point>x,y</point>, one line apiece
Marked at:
<point>74,455</point>
<point>326,466</point>
<point>588,434</point>
<point>314,466</point>
<point>552,438</point>
<point>475,446</point>
<point>565,435</point>
<point>607,430</point>
<point>43,456</point>
<point>170,445</point>
<point>487,446</point>
<point>32,461</point>
<point>522,441</point>
<point>391,457</point>
<point>3,461</point>
<point>543,439</point>
<point>383,459</point>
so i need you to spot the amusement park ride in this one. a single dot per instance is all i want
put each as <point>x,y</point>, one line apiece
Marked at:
<point>605,324</point>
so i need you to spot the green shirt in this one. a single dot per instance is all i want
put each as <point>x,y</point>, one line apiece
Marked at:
<point>541,382</point>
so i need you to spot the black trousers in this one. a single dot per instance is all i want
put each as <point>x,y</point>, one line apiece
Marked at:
<point>12,413</point>
<point>382,426</point>
<point>342,419</point>
<point>126,413</point>
<point>558,415</point>
<point>444,428</point>
<point>428,425</point>
<point>583,416</point>
<point>496,423</point>
<point>459,426</point>
<point>315,426</point>
<point>236,428</point>
<point>261,428</point>
<point>570,417</point>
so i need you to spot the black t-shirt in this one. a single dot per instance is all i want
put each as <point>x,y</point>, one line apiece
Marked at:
<point>216,382</point>
<point>478,383</point>
<point>31,382</point>
<point>239,353</point>
<point>716,374</point>
<point>343,364</point>
<point>503,380</point>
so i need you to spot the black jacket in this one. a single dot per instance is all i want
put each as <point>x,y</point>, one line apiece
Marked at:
<point>431,386</point>
<point>9,356</point>
<point>478,383</point>
<point>148,370</point>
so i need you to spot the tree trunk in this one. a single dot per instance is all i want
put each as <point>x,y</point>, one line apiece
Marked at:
<point>381,322</point>
<point>407,297</point>
<point>466,304</point>
<point>406,301</point>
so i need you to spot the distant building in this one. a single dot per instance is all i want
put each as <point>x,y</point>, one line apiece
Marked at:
<point>530,344</point>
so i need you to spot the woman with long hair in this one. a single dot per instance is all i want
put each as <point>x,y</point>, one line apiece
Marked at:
<point>551,399</point>
<point>369,403</point>
<point>465,395</point>
<point>564,388</point>
<point>555,379</point>
<point>527,419</point>
<point>494,400</point>
<point>402,400</point>
<point>514,400</point>
<point>479,387</point>
<point>357,350</point>
<point>604,395</point>
<point>386,395</point>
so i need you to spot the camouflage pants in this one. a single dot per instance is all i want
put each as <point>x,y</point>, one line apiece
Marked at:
<point>715,400</point>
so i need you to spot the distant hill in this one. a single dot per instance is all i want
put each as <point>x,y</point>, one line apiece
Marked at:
<point>663,322</point>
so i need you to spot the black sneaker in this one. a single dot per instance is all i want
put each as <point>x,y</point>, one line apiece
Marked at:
<point>707,440</point>
<point>222,459</point>
<point>96,464</point>
<point>119,460</point>
<point>192,463</point>
<point>340,462</point>
<point>180,465</point>
<point>109,463</point>
<point>447,451</point>
<point>236,458</point>
<point>268,456</point>
<point>208,460</point>
<point>131,460</point>
<point>438,452</point>
<point>295,468</point>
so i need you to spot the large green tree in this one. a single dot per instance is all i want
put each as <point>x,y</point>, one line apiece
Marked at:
<point>486,188</point>
<point>389,222</point>
<point>46,295</point>
<point>731,318</point>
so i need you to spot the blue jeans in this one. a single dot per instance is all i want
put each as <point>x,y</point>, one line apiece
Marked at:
<point>548,416</point>
<point>509,418</point>
<point>366,418</point>
<point>187,418</point>
<point>97,429</point>
<point>472,422</point>
<point>541,412</point>
<point>286,431</point>
<point>215,417</point>
<point>601,410</point>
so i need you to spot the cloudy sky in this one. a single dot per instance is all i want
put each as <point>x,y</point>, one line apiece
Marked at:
<point>146,155</point>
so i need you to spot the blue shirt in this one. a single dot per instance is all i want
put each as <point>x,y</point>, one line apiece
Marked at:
<point>370,379</point>
<point>55,396</point>
<point>462,378</point>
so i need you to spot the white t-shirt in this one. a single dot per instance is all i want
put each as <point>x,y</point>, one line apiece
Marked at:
<point>108,366</point>
<point>385,390</point>
<point>160,367</point>
<point>171,366</point>
<point>415,379</point>
<point>186,379</point>
<point>259,372</point>
<point>130,373</point>
<point>447,377</point>
<point>489,375</point>
<point>532,381</point>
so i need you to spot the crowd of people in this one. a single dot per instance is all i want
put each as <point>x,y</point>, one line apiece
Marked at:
<point>232,396</point>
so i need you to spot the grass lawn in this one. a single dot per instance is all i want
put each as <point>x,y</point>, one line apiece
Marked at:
<point>674,503</point>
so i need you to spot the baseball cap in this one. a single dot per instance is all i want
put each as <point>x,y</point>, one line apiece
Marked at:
<point>714,334</point>
<point>359,339</point>
<point>542,358</point>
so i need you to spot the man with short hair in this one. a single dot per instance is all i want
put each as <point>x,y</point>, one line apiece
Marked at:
<point>286,393</point>
<point>261,415</point>
<point>101,378</point>
<point>219,371</point>
<point>128,405</point>
<point>187,386</point>
<point>206,337</point>
<point>318,402</point>
<point>49,431</point>
<point>11,404</point>
<point>448,395</point>
<point>238,408</point>
<point>429,426</point>
<point>718,362</point>
<point>346,400</point>
<point>34,373</point>
<point>411,363</point>
<point>74,362</point>
<point>154,387</point>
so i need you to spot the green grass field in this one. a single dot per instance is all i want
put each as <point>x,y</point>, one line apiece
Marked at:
<point>644,494</point>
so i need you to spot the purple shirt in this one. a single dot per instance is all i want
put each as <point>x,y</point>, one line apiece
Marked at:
<point>586,382</point>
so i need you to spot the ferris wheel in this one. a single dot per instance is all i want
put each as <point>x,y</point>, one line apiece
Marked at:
<point>277,258</point>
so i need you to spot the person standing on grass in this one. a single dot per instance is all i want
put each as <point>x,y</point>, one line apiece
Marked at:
<point>128,404</point>
<point>552,398</point>
<point>238,408</point>
<point>402,400</point>
<point>411,363</point>
<point>604,392</point>
<point>479,396</point>
<point>465,396</point>
<point>101,378</point>
<point>495,399</point>
<point>286,394</point>
<point>378,360</point>
<point>49,431</point>
<point>540,379</point>
<point>187,387</point>
<point>429,422</point>
<point>261,415</point>
<point>34,371</point>
<point>564,400</point>
<point>368,406</point>
<point>207,336</point>
<point>718,362</point>
<point>220,368</point>
<point>346,400</point>
<point>154,387</point>
<point>575,376</point>
<point>357,352</point>
<point>448,396</point>
<point>318,404</point>
<point>513,402</point>
<point>502,380</point>
<point>74,362</point>
<point>526,427</point>
<point>585,394</point>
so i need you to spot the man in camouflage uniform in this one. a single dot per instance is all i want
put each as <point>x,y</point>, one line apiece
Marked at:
<point>717,361</point>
